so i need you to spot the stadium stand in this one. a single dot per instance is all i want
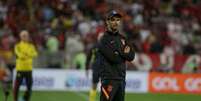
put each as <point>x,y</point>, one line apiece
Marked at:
<point>62,29</point>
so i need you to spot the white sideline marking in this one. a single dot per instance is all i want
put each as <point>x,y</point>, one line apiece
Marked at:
<point>83,96</point>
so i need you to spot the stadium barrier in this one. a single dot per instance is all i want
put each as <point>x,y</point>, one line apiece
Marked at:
<point>76,80</point>
<point>136,82</point>
<point>175,83</point>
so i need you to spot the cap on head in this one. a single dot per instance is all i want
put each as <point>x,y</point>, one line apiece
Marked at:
<point>113,13</point>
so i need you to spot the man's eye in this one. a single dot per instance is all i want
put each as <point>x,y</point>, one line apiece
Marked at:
<point>117,19</point>
<point>112,19</point>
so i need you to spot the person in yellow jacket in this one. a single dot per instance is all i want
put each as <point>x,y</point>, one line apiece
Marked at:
<point>25,53</point>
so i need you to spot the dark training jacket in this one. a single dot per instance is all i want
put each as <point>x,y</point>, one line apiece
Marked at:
<point>111,57</point>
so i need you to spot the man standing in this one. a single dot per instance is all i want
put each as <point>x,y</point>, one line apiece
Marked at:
<point>114,51</point>
<point>91,56</point>
<point>25,52</point>
<point>93,63</point>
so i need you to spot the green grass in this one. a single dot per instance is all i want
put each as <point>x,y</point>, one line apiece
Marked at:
<point>162,97</point>
<point>82,96</point>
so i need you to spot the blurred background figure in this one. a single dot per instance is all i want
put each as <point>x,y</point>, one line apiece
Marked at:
<point>25,52</point>
<point>75,52</point>
<point>91,62</point>
<point>5,79</point>
<point>52,51</point>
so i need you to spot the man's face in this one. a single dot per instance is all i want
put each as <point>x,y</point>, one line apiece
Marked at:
<point>113,23</point>
<point>24,36</point>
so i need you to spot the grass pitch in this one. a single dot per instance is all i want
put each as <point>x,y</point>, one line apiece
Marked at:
<point>83,96</point>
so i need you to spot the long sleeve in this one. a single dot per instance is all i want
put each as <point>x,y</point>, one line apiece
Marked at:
<point>108,51</point>
<point>19,53</point>
<point>129,56</point>
<point>25,53</point>
<point>33,52</point>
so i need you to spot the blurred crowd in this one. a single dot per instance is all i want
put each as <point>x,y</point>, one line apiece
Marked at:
<point>64,30</point>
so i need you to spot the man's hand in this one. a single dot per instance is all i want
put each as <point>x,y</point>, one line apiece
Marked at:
<point>127,49</point>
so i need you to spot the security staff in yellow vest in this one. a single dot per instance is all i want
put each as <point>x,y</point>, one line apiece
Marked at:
<point>25,53</point>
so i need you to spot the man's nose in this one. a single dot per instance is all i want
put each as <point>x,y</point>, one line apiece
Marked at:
<point>115,23</point>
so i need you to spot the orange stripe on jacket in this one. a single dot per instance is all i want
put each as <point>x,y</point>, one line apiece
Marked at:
<point>105,93</point>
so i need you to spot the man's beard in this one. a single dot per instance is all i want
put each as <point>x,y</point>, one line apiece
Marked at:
<point>113,29</point>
